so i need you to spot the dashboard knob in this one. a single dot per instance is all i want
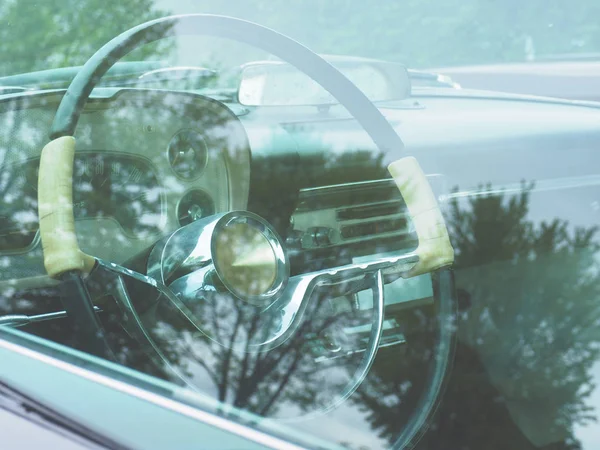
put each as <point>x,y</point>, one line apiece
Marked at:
<point>196,212</point>
<point>318,237</point>
<point>194,205</point>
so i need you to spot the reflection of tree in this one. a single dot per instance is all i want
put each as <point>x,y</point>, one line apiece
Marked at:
<point>19,157</point>
<point>399,375</point>
<point>288,380</point>
<point>528,332</point>
<point>280,382</point>
<point>314,165</point>
<point>60,33</point>
<point>534,291</point>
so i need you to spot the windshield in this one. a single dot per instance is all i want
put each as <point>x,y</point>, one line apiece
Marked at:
<point>344,224</point>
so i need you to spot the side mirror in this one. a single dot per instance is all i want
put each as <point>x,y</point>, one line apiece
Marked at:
<point>275,83</point>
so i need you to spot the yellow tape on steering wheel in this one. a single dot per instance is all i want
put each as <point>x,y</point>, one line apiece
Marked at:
<point>434,249</point>
<point>55,210</point>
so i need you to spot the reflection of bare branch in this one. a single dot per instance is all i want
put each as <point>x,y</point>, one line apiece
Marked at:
<point>211,373</point>
<point>286,378</point>
<point>294,348</point>
<point>245,361</point>
<point>215,321</point>
<point>223,384</point>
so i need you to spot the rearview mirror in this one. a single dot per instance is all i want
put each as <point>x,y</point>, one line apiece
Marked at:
<point>275,83</point>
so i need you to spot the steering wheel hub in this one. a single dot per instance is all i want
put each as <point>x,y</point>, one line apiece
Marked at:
<point>249,258</point>
<point>236,252</point>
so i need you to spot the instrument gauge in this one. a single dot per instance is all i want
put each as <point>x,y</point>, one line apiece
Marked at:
<point>188,154</point>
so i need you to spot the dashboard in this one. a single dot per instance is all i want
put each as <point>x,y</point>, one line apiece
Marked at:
<point>147,162</point>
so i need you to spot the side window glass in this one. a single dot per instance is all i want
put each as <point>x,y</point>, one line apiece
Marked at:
<point>528,286</point>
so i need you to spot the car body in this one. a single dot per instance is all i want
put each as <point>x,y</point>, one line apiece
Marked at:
<point>499,352</point>
<point>570,79</point>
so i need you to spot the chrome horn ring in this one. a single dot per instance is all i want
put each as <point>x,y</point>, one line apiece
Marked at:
<point>237,252</point>
<point>236,259</point>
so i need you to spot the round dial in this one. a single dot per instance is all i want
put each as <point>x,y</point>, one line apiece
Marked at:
<point>187,154</point>
<point>194,205</point>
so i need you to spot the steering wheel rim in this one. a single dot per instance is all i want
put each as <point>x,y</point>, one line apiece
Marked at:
<point>342,89</point>
<point>305,60</point>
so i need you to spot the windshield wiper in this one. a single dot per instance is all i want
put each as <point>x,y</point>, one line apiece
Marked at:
<point>19,403</point>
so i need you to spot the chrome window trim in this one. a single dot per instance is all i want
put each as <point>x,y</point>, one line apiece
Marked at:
<point>158,400</point>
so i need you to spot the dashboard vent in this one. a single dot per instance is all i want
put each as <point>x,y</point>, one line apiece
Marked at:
<point>369,211</point>
<point>352,214</point>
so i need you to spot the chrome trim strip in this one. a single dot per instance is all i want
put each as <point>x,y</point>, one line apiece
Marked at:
<point>537,186</point>
<point>19,320</point>
<point>342,186</point>
<point>189,411</point>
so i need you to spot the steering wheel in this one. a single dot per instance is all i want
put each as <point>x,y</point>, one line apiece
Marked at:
<point>64,260</point>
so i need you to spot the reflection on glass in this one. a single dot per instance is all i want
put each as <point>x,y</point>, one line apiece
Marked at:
<point>105,185</point>
<point>274,83</point>
<point>217,351</point>
<point>245,259</point>
<point>529,295</point>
